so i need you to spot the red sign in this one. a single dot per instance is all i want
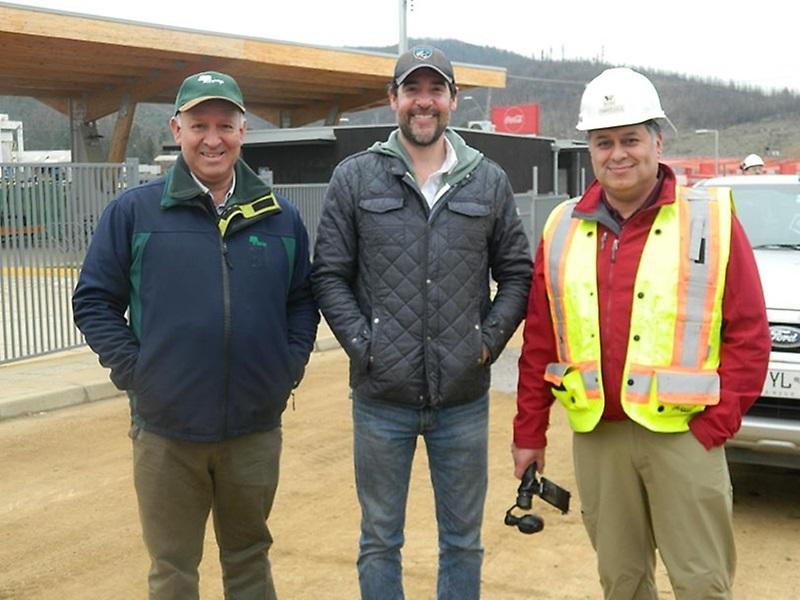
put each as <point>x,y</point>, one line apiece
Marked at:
<point>516,118</point>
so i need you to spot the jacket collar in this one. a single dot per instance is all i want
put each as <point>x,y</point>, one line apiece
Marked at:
<point>591,205</point>
<point>468,157</point>
<point>181,188</point>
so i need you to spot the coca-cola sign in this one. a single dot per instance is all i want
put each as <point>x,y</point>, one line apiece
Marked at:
<point>516,118</point>
<point>513,120</point>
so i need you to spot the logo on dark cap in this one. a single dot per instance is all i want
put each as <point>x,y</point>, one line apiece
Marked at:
<point>423,57</point>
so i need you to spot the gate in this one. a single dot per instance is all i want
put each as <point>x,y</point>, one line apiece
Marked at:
<point>308,198</point>
<point>48,213</point>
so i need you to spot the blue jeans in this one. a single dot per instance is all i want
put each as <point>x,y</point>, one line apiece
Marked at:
<point>385,438</point>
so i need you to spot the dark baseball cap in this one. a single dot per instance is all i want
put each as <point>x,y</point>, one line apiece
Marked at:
<point>208,85</point>
<point>420,57</point>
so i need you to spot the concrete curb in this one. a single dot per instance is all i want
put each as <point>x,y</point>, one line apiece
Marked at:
<point>63,397</point>
<point>71,393</point>
<point>325,344</point>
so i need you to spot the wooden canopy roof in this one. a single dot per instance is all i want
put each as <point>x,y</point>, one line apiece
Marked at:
<point>108,64</point>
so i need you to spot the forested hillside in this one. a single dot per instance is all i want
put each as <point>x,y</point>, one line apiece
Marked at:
<point>748,119</point>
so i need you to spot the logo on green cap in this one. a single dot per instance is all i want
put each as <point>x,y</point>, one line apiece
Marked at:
<point>209,85</point>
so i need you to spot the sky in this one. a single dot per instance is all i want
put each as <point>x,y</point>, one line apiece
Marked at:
<point>755,46</point>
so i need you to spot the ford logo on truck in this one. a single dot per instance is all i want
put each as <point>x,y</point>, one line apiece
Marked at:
<point>785,337</point>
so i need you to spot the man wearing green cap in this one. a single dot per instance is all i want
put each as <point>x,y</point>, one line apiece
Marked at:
<point>212,268</point>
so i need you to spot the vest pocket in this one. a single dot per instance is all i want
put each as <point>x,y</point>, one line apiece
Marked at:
<point>664,399</point>
<point>663,385</point>
<point>577,388</point>
<point>568,387</point>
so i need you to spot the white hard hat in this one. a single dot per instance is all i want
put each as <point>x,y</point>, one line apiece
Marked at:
<point>751,160</point>
<point>617,97</point>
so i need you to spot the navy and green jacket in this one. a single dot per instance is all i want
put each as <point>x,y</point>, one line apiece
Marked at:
<point>221,320</point>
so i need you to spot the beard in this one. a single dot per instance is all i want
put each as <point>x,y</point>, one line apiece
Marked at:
<point>426,137</point>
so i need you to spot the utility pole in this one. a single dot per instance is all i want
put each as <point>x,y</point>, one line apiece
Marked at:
<point>402,45</point>
<point>716,146</point>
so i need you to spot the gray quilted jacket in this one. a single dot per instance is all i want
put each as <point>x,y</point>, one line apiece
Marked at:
<point>405,289</point>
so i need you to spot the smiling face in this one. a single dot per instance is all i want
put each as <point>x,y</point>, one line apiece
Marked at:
<point>210,136</point>
<point>625,162</point>
<point>422,104</point>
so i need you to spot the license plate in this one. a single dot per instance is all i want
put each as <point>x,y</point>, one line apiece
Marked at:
<point>782,384</point>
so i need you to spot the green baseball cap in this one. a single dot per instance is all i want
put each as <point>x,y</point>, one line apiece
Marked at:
<point>208,85</point>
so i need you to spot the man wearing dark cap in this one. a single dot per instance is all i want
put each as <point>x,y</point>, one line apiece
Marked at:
<point>411,232</point>
<point>212,268</point>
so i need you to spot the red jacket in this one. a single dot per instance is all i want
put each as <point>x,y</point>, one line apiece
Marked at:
<point>745,333</point>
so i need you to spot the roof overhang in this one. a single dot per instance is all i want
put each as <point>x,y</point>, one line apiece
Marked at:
<point>108,63</point>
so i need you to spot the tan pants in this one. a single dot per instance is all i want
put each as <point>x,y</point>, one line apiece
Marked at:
<point>640,491</point>
<point>178,483</point>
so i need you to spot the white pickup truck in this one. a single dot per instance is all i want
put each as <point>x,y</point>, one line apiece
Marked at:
<point>768,207</point>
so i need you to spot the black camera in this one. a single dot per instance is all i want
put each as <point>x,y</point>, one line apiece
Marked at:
<point>529,487</point>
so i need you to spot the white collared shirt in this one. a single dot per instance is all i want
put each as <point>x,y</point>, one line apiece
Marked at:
<point>206,190</point>
<point>433,189</point>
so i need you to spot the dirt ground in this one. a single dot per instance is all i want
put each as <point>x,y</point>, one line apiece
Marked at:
<point>69,528</point>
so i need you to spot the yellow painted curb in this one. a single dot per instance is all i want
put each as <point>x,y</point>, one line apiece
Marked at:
<point>38,271</point>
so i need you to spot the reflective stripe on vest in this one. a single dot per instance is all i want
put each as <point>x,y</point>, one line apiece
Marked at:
<point>673,347</point>
<point>576,378</point>
<point>560,231</point>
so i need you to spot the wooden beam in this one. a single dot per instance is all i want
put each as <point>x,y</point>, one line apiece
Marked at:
<point>66,71</point>
<point>141,90</point>
<point>122,131</point>
<point>309,114</point>
<point>35,88</point>
<point>56,103</point>
<point>332,118</point>
<point>266,112</point>
<point>81,58</point>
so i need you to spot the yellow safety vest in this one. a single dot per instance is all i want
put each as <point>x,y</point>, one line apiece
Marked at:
<point>670,371</point>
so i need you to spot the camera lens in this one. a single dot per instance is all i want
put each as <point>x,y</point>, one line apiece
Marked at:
<point>524,500</point>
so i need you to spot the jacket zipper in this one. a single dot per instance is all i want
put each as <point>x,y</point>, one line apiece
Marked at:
<point>609,292</point>
<point>431,212</point>
<point>226,330</point>
<point>409,181</point>
<point>226,309</point>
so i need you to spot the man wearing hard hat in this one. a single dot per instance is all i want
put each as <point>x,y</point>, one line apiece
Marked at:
<point>646,321</point>
<point>752,165</point>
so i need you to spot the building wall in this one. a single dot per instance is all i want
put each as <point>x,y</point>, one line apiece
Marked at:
<point>313,161</point>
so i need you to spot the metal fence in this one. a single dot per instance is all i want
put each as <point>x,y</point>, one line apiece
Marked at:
<point>533,209</point>
<point>48,214</point>
<point>308,200</point>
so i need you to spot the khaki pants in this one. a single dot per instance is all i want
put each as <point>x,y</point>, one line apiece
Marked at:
<point>642,490</point>
<point>178,483</point>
